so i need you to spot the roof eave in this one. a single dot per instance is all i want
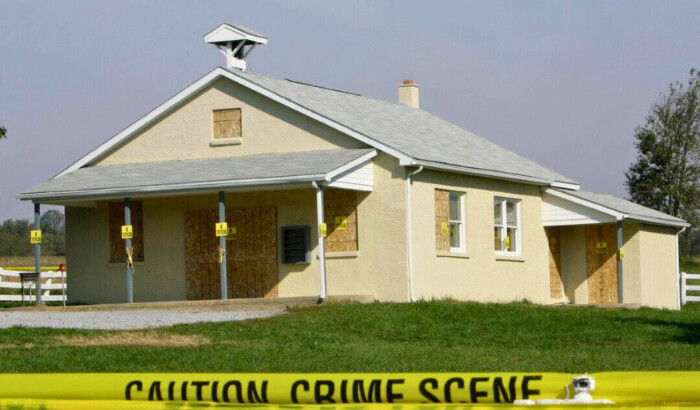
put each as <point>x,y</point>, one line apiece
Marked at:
<point>505,176</point>
<point>161,190</point>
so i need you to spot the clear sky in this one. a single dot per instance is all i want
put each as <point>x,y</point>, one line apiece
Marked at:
<point>562,83</point>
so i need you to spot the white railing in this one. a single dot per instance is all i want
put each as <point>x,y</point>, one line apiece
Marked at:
<point>10,280</point>
<point>685,288</point>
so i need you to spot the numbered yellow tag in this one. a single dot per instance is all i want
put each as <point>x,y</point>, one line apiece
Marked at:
<point>341,223</point>
<point>222,229</point>
<point>507,242</point>
<point>35,237</point>
<point>601,247</point>
<point>127,231</point>
<point>324,229</point>
<point>444,228</point>
<point>231,234</point>
<point>622,253</point>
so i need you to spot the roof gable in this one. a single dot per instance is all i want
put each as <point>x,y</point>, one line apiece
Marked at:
<point>413,136</point>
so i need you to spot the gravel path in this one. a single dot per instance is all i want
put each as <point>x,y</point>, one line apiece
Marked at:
<point>128,319</point>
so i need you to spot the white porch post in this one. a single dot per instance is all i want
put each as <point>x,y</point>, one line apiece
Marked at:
<point>320,223</point>
<point>37,252</point>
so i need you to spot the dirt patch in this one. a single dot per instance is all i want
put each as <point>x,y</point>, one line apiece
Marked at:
<point>152,339</point>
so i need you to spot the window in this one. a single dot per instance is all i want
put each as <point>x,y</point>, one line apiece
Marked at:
<point>340,211</point>
<point>449,221</point>
<point>296,246</point>
<point>456,223</point>
<point>117,246</point>
<point>227,123</point>
<point>506,221</point>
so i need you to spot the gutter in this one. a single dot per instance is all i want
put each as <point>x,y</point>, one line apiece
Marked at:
<point>409,232</point>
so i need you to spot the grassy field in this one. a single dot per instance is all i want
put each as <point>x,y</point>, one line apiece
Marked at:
<point>427,336</point>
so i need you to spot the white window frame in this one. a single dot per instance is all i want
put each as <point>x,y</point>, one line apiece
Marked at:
<point>504,226</point>
<point>461,221</point>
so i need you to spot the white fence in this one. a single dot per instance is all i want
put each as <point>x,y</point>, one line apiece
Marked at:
<point>685,288</point>
<point>53,287</point>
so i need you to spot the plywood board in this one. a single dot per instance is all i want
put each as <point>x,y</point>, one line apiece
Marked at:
<point>340,203</point>
<point>442,214</point>
<point>601,261</point>
<point>556,287</point>
<point>117,246</point>
<point>251,257</point>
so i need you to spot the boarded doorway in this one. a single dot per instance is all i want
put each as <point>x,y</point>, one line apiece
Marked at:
<point>601,261</point>
<point>251,256</point>
<point>556,287</point>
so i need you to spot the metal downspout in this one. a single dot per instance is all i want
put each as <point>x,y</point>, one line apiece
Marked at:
<point>409,232</point>
<point>321,239</point>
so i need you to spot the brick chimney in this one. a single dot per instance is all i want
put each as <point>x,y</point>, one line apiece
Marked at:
<point>408,94</point>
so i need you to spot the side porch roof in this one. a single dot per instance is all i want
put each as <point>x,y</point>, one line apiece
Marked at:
<point>575,207</point>
<point>328,167</point>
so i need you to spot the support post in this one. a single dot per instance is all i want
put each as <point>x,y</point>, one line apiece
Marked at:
<point>222,247</point>
<point>320,220</point>
<point>129,253</point>
<point>620,276</point>
<point>37,253</point>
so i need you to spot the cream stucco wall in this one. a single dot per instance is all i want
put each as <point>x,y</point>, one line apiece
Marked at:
<point>659,282</point>
<point>632,263</point>
<point>267,127</point>
<point>478,274</point>
<point>378,269</point>
<point>573,263</point>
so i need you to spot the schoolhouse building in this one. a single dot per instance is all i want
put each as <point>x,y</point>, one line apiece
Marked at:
<point>248,186</point>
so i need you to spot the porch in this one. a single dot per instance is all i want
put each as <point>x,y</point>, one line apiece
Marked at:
<point>607,251</point>
<point>241,227</point>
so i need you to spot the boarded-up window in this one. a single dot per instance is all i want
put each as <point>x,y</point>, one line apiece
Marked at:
<point>227,123</point>
<point>340,209</point>
<point>117,246</point>
<point>442,220</point>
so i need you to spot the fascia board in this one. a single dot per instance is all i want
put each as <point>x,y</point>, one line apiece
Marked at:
<point>479,172</point>
<point>350,165</point>
<point>146,120</point>
<point>165,189</point>
<point>212,76</point>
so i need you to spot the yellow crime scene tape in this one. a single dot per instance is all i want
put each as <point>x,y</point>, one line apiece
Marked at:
<point>337,390</point>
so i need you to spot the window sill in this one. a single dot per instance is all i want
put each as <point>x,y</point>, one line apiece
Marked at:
<point>225,141</point>
<point>510,258</point>
<point>341,255</point>
<point>452,255</point>
<point>113,265</point>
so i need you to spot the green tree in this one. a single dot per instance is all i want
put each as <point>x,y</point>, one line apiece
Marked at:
<point>666,173</point>
<point>3,132</point>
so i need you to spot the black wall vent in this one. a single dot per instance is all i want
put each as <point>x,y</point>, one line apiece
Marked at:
<point>296,244</point>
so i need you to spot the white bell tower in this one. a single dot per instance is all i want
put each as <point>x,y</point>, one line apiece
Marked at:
<point>235,42</point>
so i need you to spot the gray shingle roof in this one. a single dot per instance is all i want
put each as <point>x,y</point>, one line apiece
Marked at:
<point>414,132</point>
<point>194,173</point>
<point>634,211</point>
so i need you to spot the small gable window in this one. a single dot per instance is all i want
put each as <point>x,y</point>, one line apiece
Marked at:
<point>227,124</point>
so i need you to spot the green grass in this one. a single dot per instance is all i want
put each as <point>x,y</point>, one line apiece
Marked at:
<point>382,337</point>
